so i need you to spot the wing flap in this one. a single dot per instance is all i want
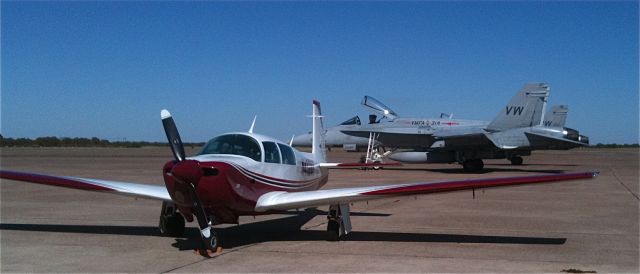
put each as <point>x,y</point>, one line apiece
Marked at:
<point>147,191</point>
<point>291,200</point>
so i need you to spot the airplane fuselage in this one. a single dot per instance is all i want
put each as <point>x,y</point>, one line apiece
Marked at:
<point>231,183</point>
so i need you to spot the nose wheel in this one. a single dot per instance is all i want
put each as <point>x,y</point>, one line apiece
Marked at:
<point>210,241</point>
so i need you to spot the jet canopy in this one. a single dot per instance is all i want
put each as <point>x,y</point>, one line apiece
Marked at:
<point>352,121</point>
<point>379,107</point>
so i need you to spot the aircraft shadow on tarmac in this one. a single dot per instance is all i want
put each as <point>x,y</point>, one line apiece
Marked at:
<point>283,229</point>
<point>289,229</point>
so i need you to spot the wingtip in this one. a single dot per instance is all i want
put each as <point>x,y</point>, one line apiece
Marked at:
<point>164,114</point>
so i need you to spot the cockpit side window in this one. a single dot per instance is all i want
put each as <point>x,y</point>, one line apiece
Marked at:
<point>235,144</point>
<point>353,121</point>
<point>288,157</point>
<point>271,152</point>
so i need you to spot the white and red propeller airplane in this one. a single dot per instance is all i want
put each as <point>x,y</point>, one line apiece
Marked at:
<point>244,173</point>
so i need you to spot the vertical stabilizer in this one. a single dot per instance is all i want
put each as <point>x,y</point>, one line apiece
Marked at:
<point>317,141</point>
<point>556,116</point>
<point>524,110</point>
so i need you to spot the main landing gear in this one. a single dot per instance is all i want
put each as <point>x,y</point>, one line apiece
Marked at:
<point>473,165</point>
<point>516,160</point>
<point>171,222</point>
<point>339,222</point>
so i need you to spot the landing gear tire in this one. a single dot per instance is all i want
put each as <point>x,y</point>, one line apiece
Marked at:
<point>172,225</point>
<point>211,244</point>
<point>333,231</point>
<point>473,165</point>
<point>516,160</point>
<point>377,167</point>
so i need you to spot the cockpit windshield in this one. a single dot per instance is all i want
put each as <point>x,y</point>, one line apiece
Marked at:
<point>379,107</point>
<point>353,121</point>
<point>236,144</point>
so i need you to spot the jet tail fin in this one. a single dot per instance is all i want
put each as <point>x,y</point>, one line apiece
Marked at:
<point>524,110</point>
<point>317,141</point>
<point>556,116</point>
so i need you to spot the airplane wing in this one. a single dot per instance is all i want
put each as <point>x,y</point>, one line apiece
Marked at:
<point>356,165</point>
<point>154,192</point>
<point>279,200</point>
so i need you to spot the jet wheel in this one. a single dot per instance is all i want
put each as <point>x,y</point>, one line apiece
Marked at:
<point>473,165</point>
<point>172,225</point>
<point>516,160</point>
<point>377,167</point>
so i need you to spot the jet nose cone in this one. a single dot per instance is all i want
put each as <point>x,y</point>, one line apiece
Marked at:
<point>302,140</point>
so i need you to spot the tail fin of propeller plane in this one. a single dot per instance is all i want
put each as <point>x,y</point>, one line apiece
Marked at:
<point>317,142</point>
<point>524,110</point>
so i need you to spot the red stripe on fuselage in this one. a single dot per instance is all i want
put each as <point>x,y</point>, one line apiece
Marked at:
<point>237,189</point>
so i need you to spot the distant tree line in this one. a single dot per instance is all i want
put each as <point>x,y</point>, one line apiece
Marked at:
<point>601,145</point>
<point>52,141</point>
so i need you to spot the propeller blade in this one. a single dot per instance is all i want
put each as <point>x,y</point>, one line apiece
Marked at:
<point>172,135</point>
<point>189,172</point>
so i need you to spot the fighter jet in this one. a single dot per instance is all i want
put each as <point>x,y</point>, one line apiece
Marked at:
<point>335,138</point>
<point>518,129</point>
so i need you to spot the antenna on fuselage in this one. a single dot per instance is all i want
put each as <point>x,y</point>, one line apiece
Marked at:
<point>291,141</point>
<point>253,124</point>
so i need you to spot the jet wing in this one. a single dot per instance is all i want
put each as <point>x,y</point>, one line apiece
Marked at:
<point>465,141</point>
<point>154,192</point>
<point>279,200</point>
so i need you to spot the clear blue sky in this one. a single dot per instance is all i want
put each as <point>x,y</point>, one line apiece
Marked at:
<point>105,69</point>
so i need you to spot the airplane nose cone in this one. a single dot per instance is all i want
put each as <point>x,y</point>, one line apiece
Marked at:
<point>302,140</point>
<point>187,171</point>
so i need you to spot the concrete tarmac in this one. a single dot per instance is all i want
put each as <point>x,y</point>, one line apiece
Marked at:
<point>587,225</point>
